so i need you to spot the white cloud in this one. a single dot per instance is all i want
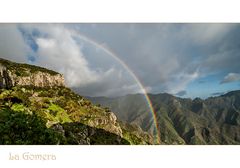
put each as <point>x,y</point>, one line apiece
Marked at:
<point>60,52</point>
<point>180,82</point>
<point>231,77</point>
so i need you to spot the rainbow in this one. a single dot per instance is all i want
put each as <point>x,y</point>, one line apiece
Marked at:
<point>124,65</point>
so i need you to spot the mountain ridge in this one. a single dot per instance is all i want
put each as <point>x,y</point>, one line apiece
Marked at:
<point>214,120</point>
<point>167,94</point>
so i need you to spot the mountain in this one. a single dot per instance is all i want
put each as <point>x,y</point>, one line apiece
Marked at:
<point>36,107</point>
<point>130,109</point>
<point>215,120</point>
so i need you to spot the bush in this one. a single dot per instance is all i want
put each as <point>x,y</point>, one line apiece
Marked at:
<point>20,128</point>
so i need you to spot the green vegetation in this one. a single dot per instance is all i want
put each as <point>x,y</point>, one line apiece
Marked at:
<point>17,128</point>
<point>30,115</point>
<point>56,115</point>
<point>134,134</point>
<point>59,113</point>
<point>18,107</point>
<point>24,69</point>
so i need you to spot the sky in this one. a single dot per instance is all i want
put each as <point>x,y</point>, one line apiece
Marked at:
<point>186,60</point>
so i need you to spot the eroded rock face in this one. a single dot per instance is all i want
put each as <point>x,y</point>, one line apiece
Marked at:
<point>5,79</point>
<point>80,134</point>
<point>107,122</point>
<point>9,79</point>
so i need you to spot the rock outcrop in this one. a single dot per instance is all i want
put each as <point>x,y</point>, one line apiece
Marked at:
<point>107,122</point>
<point>5,79</point>
<point>12,77</point>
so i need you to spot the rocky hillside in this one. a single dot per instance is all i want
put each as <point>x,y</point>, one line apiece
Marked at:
<point>215,120</point>
<point>131,109</point>
<point>37,108</point>
<point>13,74</point>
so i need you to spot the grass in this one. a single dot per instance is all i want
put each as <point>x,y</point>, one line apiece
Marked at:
<point>60,113</point>
<point>18,107</point>
<point>24,69</point>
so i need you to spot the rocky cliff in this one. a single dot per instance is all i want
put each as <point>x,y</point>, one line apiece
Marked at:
<point>12,74</point>
<point>5,79</point>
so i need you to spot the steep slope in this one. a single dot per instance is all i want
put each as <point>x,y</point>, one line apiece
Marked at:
<point>131,108</point>
<point>37,108</point>
<point>184,121</point>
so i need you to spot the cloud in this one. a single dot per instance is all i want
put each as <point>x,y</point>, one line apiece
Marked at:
<point>181,93</point>
<point>57,48</point>
<point>205,33</point>
<point>217,93</point>
<point>59,51</point>
<point>231,77</point>
<point>159,53</point>
<point>12,45</point>
<point>165,57</point>
<point>180,81</point>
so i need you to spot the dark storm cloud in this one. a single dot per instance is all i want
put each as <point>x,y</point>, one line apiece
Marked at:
<point>169,56</point>
<point>217,93</point>
<point>181,93</point>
